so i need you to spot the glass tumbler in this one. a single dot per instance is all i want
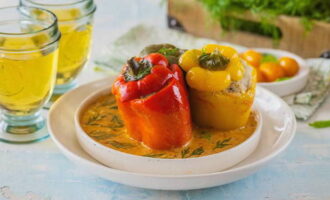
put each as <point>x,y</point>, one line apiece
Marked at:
<point>28,60</point>
<point>75,19</point>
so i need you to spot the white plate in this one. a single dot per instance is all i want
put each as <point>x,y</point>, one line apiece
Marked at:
<point>293,85</point>
<point>277,132</point>
<point>140,164</point>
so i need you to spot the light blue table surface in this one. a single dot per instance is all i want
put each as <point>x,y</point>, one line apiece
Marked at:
<point>39,171</point>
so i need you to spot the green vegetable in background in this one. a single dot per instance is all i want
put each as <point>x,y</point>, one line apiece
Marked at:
<point>266,11</point>
<point>283,79</point>
<point>320,124</point>
<point>268,58</point>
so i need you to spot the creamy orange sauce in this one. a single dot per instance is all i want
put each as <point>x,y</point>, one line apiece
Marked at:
<point>102,122</point>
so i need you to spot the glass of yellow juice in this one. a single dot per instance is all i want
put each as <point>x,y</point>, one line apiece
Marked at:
<point>29,39</point>
<point>75,19</point>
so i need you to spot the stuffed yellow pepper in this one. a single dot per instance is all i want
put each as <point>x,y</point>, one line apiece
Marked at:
<point>221,86</point>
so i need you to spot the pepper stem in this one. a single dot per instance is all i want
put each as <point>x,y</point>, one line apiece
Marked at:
<point>136,70</point>
<point>213,61</point>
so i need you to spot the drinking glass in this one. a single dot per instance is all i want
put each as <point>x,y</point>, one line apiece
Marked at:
<point>75,19</point>
<point>28,60</point>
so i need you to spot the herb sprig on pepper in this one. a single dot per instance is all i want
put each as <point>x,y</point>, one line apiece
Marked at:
<point>136,70</point>
<point>171,52</point>
<point>213,61</point>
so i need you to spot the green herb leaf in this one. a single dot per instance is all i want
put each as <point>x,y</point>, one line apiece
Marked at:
<point>222,143</point>
<point>104,137</point>
<point>283,79</point>
<point>93,119</point>
<point>101,125</point>
<point>98,133</point>
<point>108,102</point>
<point>320,124</point>
<point>205,135</point>
<point>118,123</point>
<point>169,51</point>
<point>115,107</point>
<point>121,145</point>
<point>197,151</point>
<point>154,155</point>
<point>155,48</point>
<point>268,58</point>
<point>101,135</point>
<point>136,70</point>
<point>213,61</point>
<point>185,152</point>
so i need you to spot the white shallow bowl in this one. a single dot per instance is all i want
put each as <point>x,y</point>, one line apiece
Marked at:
<point>277,132</point>
<point>293,85</point>
<point>140,164</point>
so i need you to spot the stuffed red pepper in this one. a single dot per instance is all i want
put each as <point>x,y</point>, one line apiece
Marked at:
<point>153,102</point>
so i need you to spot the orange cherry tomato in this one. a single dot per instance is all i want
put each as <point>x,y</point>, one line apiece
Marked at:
<point>271,71</point>
<point>252,57</point>
<point>289,65</point>
<point>260,76</point>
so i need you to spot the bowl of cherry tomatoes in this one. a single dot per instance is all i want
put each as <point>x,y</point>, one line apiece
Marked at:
<point>280,71</point>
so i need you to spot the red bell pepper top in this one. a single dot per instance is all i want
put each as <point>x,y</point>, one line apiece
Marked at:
<point>153,102</point>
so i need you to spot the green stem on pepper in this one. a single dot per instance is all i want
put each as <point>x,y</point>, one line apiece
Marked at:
<point>213,61</point>
<point>136,70</point>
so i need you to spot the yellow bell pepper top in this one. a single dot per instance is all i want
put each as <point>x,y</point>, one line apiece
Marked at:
<point>212,68</point>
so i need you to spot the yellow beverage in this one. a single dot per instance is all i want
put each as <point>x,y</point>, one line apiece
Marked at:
<point>74,44</point>
<point>26,79</point>
<point>73,51</point>
<point>28,62</point>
